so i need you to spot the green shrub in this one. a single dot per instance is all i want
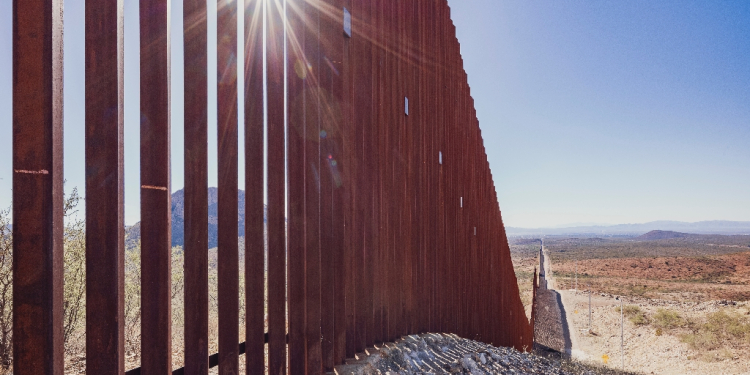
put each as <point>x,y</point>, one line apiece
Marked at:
<point>639,319</point>
<point>634,314</point>
<point>703,340</point>
<point>667,319</point>
<point>718,328</point>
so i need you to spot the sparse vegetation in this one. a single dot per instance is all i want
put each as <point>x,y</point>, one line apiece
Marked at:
<point>634,314</point>
<point>719,329</point>
<point>667,319</point>
<point>74,286</point>
<point>525,287</point>
<point>74,292</point>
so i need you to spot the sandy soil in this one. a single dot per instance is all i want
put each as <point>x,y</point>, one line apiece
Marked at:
<point>597,338</point>
<point>644,351</point>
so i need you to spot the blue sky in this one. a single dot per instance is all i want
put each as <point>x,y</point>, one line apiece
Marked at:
<point>591,112</point>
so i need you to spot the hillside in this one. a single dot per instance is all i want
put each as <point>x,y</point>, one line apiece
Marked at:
<point>133,233</point>
<point>663,235</point>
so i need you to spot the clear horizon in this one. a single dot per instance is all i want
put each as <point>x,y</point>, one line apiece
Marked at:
<point>590,112</point>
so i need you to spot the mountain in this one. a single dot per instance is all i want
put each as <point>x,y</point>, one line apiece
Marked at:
<point>133,233</point>
<point>664,235</point>
<point>701,227</point>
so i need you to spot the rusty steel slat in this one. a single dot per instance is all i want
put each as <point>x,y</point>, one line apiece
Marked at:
<point>156,326</point>
<point>349,186</point>
<point>432,158</point>
<point>424,182</point>
<point>356,178</point>
<point>361,123</point>
<point>332,199</point>
<point>255,330</point>
<point>413,191</point>
<point>276,186</point>
<point>386,274</point>
<point>368,107</point>
<point>384,200</point>
<point>105,251</point>
<point>405,128</point>
<point>454,196</point>
<point>437,152</point>
<point>227,132</point>
<point>196,187</point>
<point>410,123</point>
<point>420,179</point>
<point>449,196</point>
<point>38,187</point>
<point>315,106</point>
<point>377,65</point>
<point>296,264</point>
<point>441,298</point>
<point>328,68</point>
<point>397,110</point>
<point>392,110</point>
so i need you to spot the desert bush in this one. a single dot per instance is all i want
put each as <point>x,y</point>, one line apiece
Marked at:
<point>6,289</point>
<point>133,300</point>
<point>718,329</point>
<point>666,319</point>
<point>703,340</point>
<point>635,314</point>
<point>74,286</point>
<point>639,319</point>
<point>74,264</point>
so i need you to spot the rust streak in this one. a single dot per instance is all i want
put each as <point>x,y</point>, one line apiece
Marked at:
<point>154,187</point>
<point>43,171</point>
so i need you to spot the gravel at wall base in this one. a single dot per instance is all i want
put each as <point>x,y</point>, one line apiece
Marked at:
<point>435,353</point>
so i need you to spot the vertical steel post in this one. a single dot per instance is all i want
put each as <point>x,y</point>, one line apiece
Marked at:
<point>276,189</point>
<point>38,187</point>
<point>331,44</point>
<point>297,267</point>
<point>318,283</point>
<point>228,257</point>
<point>105,251</point>
<point>255,246</point>
<point>156,310</point>
<point>196,187</point>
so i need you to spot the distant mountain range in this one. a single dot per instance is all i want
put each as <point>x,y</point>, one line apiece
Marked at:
<point>701,227</point>
<point>665,235</point>
<point>133,233</point>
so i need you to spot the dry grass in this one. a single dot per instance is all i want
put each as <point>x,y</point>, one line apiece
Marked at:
<point>635,315</point>
<point>718,330</point>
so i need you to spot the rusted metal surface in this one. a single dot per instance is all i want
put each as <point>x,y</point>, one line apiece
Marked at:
<point>316,110</point>
<point>37,187</point>
<point>392,221</point>
<point>228,282</point>
<point>347,147</point>
<point>196,188</point>
<point>276,185</point>
<point>332,206</point>
<point>296,218</point>
<point>105,250</point>
<point>254,185</point>
<point>156,320</point>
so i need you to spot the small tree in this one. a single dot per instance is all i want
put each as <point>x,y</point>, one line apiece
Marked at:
<point>6,291</point>
<point>74,287</point>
